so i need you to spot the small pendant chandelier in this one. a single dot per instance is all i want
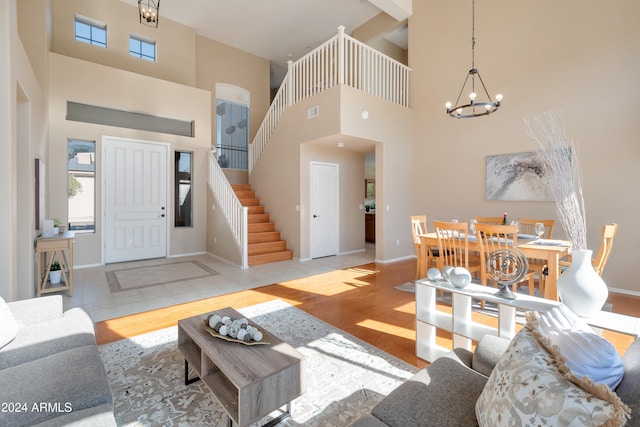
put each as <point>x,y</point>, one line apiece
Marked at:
<point>149,11</point>
<point>477,106</point>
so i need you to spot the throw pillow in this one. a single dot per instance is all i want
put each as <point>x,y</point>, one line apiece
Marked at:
<point>586,353</point>
<point>532,386</point>
<point>8,325</point>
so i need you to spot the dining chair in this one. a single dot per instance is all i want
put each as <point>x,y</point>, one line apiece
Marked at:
<point>608,233</point>
<point>453,246</point>
<point>527,226</point>
<point>418,227</point>
<point>489,220</point>
<point>493,237</point>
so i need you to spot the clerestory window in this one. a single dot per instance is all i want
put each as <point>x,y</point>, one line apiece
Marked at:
<point>92,32</point>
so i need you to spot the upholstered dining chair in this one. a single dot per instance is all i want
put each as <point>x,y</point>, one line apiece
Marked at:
<point>494,237</point>
<point>453,246</point>
<point>608,233</point>
<point>428,258</point>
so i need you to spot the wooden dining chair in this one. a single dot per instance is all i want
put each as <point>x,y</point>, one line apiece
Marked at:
<point>453,246</point>
<point>608,233</point>
<point>489,220</point>
<point>527,226</point>
<point>492,237</point>
<point>428,259</point>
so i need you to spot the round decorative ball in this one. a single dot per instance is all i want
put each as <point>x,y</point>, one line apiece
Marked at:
<point>460,277</point>
<point>434,274</point>
<point>446,271</point>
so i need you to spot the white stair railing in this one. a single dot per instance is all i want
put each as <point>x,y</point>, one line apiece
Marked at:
<point>236,215</point>
<point>341,60</point>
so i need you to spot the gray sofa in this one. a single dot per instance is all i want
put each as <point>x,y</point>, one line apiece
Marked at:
<point>445,393</point>
<point>51,372</point>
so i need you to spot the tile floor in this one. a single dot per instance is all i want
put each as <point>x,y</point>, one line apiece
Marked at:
<point>91,290</point>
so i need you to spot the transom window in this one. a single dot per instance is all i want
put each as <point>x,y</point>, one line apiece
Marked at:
<point>142,48</point>
<point>91,32</point>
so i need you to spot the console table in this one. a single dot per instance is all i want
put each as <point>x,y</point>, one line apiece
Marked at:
<point>60,248</point>
<point>465,330</point>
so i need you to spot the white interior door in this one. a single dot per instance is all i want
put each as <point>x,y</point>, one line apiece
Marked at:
<point>324,209</point>
<point>135,191</point>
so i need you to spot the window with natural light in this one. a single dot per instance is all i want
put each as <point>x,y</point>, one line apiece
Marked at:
<point>144,49</point>
<point>91,32</point>
<point>81,185</point>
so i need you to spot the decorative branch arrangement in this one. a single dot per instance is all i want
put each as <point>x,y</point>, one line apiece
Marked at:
<point>562,173</point>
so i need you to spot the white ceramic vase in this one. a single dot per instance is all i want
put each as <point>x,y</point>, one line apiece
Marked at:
<point>580,288</point>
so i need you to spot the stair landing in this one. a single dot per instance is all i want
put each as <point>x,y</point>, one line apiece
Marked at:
<point>264,245</point>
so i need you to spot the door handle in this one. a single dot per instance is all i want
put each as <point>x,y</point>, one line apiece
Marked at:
<point>162,216</point>
<point>316,216</point>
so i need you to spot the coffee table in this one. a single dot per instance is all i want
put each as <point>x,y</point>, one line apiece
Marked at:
<point>249,381</point>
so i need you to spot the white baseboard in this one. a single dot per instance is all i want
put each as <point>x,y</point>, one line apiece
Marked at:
<point>624,291</point>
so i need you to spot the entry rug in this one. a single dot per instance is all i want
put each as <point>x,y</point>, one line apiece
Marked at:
<point>141,277</point>
<point>345,377</point>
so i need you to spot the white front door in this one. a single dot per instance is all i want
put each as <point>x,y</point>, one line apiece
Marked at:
<point>135,195</point>
<point>324,209</point>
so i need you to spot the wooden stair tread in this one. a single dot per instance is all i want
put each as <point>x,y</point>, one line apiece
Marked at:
<point>263,236</point>
<point>269,258</point>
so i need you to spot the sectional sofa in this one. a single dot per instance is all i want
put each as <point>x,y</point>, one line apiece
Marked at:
<point>525,381</point>
<point>51,373</point>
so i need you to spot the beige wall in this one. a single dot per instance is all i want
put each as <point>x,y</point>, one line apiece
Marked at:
<point>23,123</point>
<point>295,144</point>
<point>175,43</point>
<point>74,79</point>
<point>220,63</point>
<point>579,57</point>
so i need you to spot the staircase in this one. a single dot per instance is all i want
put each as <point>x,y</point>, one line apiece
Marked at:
<point>264,243</point>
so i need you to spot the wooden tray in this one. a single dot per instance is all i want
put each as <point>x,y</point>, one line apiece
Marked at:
<point>264,340</point>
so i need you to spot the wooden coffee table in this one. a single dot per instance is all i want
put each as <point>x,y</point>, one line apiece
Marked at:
<point>249,381</point>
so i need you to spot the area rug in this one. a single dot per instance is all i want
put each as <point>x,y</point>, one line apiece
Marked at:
<point>141,277</point>
<point>345,377</point>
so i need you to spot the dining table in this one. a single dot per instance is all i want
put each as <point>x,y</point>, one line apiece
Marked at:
<point>551,251</point>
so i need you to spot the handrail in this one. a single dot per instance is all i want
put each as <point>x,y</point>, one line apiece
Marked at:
<point>341,60</point>
<point>235,214</point>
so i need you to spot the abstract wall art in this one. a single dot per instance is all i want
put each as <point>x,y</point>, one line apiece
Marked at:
<point>516,177</point>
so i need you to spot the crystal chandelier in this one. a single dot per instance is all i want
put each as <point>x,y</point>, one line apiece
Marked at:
<point>477,106</point>
<point>149,11</point>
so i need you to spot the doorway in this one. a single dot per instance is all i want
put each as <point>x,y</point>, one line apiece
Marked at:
<point>324,209</point>
<point>135,199</point>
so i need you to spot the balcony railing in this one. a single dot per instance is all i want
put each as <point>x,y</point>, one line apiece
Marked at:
<point>342,60</point>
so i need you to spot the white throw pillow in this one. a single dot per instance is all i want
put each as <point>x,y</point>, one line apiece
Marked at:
<point>8,325</point>
<point>586,353</point>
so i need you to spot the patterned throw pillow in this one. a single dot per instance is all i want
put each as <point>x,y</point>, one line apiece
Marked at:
<point>531,385</point>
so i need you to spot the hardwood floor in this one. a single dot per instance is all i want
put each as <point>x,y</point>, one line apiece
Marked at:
<point>360,300</point>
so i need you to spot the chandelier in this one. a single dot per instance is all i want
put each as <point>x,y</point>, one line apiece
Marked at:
<point>149,11</point>
<point>477,106</point>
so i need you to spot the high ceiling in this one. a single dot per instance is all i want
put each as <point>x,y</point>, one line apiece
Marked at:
<point>277,30</point>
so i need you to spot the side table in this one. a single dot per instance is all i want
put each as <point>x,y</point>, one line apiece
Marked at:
<point>55,248</point>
